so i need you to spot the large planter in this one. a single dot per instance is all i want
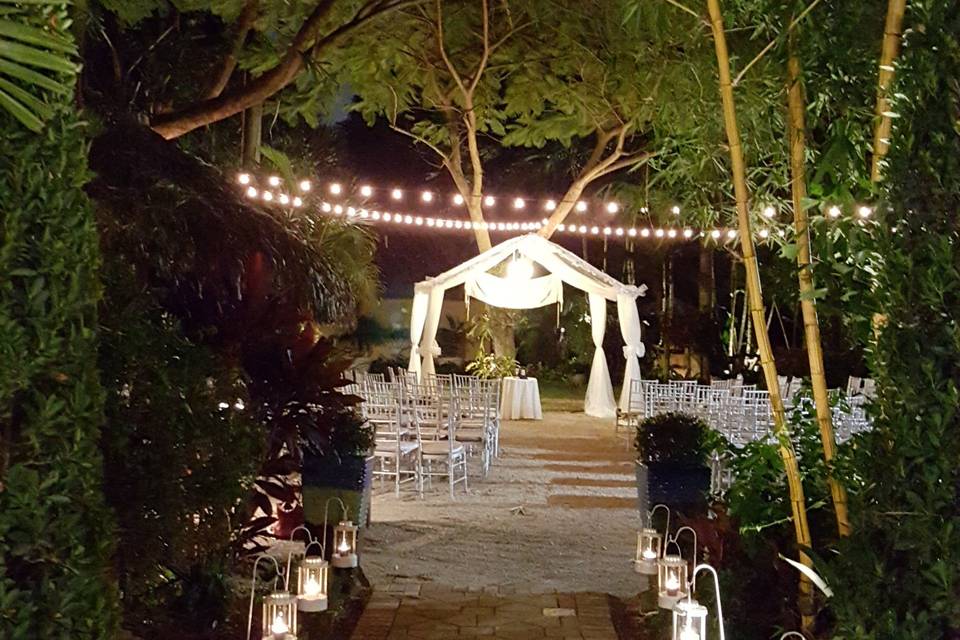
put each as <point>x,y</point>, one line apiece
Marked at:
<point>349,478</point>
<point>683,488</point>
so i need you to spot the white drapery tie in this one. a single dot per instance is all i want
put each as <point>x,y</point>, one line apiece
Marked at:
<point>636,352</point>
<point>435,350</point>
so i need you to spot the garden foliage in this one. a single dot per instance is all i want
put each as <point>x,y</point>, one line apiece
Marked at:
<point>55,531</point>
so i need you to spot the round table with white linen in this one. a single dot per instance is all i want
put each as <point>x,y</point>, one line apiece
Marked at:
<point>520,399</point>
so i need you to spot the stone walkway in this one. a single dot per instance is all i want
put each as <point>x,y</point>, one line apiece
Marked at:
<point>434,612</point>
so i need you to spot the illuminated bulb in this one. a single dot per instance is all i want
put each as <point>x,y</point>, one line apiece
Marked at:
<point>658,233</point>
<point>305,185</point>
<point>834,211</point>
<point>387,217</point>
<point>457,225</point>
<point>284,198</point>
<point>366,191</point>
<point>267,196</point>
<point>864,212</point>
<point>583,228</point>
<point>375,215</point>
<point>649,554</point>
<point>518,203</point>
<point>520,269</point>
<point>396,194</point>
<point>581,206</point>
<point>326,207</point>
<point>430,222</point>
<point>274,181</point>
<point>297,201</point>
<point>632,232</point>
<point>279,628</point>
<point>769,212</point>
<point>672,585</point>
<point>715,234</point>
<point>489,200</point>
<point>607,231</point>
<point>243,178</point>
<point>251,192</point>
<point>672,233</point>
<point>619,231</point>
<point>688,233</point>
<point>336,189</point>
<point>337,209</point>
<point>311,588</point>
<point>418,221</point>
<point>467,225</point>
<point>364,213</point>
<point>408,219</point>
<point>561,227</point>
<point>550,205</point>
<point>644,209</point>
<point>731,234</point>
<point>426,196</point>
<point>500,226</point>
<point>675,210</point>
<point>594,230</point>
<point>645,233</point>
<point>612,207</point>
<point>764,233</point>
<point>458,200</point>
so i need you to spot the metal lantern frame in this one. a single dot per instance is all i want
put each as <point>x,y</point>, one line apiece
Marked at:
<point>649,538</point>
<point>671,570</point>
<point>690,618</point>
<point>280,616</point>
<point>344,537</point>
<point>314,568</point>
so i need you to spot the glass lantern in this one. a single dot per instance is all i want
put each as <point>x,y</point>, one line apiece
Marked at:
<point>279,616</point>
<point>312,584</point>
<point>689,621</point>
<point>672,581</point>
<point>344,545</point>
<point>648,552</point>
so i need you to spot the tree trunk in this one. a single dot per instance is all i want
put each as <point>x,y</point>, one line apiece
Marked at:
<point>755,298</point>
<point>796,128</point>
<point>252,135</point>
<point>892,31</point>
<point>705,300</point>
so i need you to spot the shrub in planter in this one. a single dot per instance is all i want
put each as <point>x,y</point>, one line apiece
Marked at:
<point>672,448</point>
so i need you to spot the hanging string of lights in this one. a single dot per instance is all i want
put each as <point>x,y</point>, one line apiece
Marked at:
<point>273,192</point>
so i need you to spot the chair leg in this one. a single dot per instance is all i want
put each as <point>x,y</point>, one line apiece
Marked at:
<point>450,472</point>
<point>397,478</point>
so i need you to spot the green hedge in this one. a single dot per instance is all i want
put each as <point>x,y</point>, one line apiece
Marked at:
<point>55,532</point>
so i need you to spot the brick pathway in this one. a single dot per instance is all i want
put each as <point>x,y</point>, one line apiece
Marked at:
<point>408,610</point>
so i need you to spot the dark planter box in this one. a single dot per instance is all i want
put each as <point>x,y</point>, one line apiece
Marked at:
<point>678,487</point>
<point>349,478</point>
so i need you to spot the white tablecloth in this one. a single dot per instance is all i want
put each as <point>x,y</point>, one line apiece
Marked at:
<point>520,399</point>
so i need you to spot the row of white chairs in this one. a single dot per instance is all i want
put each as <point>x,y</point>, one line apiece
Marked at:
<point>429,428</point>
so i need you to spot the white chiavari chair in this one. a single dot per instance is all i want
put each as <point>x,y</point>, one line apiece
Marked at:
<point>432,407</point>
<point>396,438</point>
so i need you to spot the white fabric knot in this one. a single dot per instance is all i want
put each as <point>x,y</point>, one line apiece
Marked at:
<point>634,351</point>
<point>414,349</point>
<point>435,350</point>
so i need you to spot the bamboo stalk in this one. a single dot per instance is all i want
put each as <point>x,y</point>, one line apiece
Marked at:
<point>796,128</point>
<point>755,298</point>
<point>892,31</point>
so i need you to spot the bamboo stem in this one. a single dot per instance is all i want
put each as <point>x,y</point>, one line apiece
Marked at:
<point>892,31</point>
<point>796,128</point>
<point>755,298</point>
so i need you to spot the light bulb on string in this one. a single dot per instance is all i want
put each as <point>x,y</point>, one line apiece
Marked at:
<point>550,205</point>
<point>645,232</point>
<point>581,206</point>
<point>426,196</point>
<point>715,234</point>
<point>658,233</point>
<point>864,212</point>
<point>305,185</point>
<point>631,232</point>
<point>764,233</point>
<point>267,196</point>
<point>458,200</point>
<point>243,178</point>
<point>518,203</point>
<point>297,201</point>
<point>489,201</point>
<point>672,233</point>
<point>769,211</point>
<point>273,181</point>
<point>612,208</point>
<point>252,192</point>
<point>335,188</point>
<point>834,211</point>
<point>284,198</point>
<point>731,234</point>
<point>675,210</point>
<point>688,233</point>
<point>366,191</point>
<point>396,194</point>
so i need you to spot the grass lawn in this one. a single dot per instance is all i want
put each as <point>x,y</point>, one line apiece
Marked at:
<point>561,396</point>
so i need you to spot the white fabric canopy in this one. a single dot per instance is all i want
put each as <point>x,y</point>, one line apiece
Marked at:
<point>418,315</point>
<point>562,267</point>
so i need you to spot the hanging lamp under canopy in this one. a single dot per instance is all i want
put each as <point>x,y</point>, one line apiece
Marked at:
<point>517,291</point>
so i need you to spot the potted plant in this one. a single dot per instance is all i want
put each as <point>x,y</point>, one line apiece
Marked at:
<point>672,463</point>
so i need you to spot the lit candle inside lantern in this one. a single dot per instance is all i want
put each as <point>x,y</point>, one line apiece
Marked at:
<point>344,546</point>
<point>279,627</point>
<point>311,588</point>
<point>689,634</point>
<point>649,554</point>
<point>673,586</point>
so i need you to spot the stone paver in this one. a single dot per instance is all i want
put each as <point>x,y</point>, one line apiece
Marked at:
<point>408,611</point>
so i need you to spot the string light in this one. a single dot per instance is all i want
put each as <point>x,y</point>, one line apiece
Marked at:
<point>864,212</point>
<point>675,210</point>
<point>252,192</point>
<point>715,234</point>
<point>396,194</point>
<point>274,181</point>
<point>297,201</point>
<point>458,200</point>
<point>267,196</point>
<point>550,205</point>
<point>335,188</point>
<point>672,233</point>
<point>518,203</point>
<point>769,211</point>
<point>688,233</point>
<point>366,191</point>
<point>426,196</point>
<point>731,234</point>
<point>489,201</point>
<point>243,178</point>
<point>834,211</point>
<point>284,198</point>
<point>581,206</point>
<point>305,185</point>
<point>612,208</point>
<point>764,233</point>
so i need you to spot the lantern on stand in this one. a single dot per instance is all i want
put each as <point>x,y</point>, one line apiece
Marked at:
<point>690,618</point>
<point>672,581</point>
<point>649,550</point>
<point>344,545</point>
<point>279,616</point>
<point>312,579</point>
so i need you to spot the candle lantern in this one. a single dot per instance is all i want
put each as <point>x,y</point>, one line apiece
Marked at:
<point>689,621</point>
<point>312,584</point>
<point>344,545</point>
<point>279,616</point>
<point>648,552</point>
<point>672,581</point>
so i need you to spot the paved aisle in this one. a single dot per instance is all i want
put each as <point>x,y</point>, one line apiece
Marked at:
<point>556,516</point>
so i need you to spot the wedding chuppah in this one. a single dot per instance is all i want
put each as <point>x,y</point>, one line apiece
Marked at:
<point>535,271</point>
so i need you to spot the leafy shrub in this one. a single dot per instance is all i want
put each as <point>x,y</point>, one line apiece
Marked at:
<point>56,534</point>
<point>676,439</point>
<point>488,365</point>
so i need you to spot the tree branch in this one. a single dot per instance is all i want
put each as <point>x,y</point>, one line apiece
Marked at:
<point>770,45</point>
<point>443,50</point>
<point>486,49</point>
<point>244,23</point>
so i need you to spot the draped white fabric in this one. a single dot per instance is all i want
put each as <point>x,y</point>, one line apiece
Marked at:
<point>562,267</point>
<point>599,401</point>
<point>633,348</point>
<point>418,316</point>
<point>512,294</point>
<point>428,343</point>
